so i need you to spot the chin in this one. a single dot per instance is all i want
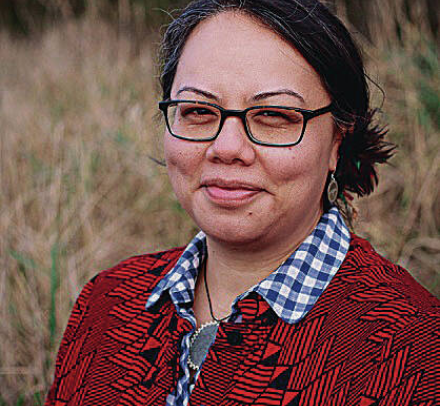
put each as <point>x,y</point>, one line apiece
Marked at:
<point>233,230</point>
<point>243,240</point>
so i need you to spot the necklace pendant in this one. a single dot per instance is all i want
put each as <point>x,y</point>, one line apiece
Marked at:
<point>200,343</point>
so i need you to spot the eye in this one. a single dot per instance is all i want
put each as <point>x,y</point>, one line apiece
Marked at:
<point>277,117</point>
<point>196,111</point>
<point>272,113</point>
<point>194,114</point>
<point>268,113</point>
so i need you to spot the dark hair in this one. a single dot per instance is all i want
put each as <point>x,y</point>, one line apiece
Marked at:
<point>326,44</point>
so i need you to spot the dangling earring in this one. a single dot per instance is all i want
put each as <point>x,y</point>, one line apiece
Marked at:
<point>332,190</point>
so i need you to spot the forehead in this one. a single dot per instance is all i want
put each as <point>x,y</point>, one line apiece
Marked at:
<point>234,55</point>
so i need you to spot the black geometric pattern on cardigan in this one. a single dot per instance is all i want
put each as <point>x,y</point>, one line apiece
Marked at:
<point>372,339</point>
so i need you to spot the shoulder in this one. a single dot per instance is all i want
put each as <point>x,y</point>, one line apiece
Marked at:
<point>128,284</point>
<point>139,273</point>
<point>392,320</point>
<point>109,305</point>
<point>382,280</point>
<point>154,265</point>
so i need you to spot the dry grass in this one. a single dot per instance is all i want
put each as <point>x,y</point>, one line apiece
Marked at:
<point>79,193</point>
<point>402,218</point>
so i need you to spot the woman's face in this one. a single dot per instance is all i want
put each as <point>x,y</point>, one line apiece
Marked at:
<point>238,192</point>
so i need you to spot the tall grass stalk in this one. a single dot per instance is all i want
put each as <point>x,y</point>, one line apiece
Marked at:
<point>53,289</point>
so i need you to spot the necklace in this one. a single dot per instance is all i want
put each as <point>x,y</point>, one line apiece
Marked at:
<point>204,336</point>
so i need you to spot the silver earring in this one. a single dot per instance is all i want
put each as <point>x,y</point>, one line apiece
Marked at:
<point>332,190</point>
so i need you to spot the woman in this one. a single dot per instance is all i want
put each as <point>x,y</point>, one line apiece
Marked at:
<point>274,302</point>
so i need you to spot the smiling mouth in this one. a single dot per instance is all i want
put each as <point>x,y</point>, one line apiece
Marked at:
<point>230,194</point>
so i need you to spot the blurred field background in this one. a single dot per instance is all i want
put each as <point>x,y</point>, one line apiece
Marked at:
<point>78,129</point>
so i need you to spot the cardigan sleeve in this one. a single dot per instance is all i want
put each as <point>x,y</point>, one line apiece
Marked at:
<point>65,350</point>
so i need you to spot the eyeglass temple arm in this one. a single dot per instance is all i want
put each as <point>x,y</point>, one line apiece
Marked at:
<point>322,110</point>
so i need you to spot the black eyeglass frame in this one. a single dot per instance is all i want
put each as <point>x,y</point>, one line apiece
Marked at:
<point>225,113</point>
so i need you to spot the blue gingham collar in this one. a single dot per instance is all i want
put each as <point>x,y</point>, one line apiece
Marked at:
<point>291,290</point>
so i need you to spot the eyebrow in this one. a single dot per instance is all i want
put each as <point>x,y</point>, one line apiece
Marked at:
<point>257,97</point>
<point>204,93</point>
<point>264,95</point>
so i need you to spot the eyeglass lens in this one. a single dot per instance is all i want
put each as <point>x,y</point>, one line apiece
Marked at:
<point>268,124</point>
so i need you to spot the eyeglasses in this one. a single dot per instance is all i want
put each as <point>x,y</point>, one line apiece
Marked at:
<point>275,126</point>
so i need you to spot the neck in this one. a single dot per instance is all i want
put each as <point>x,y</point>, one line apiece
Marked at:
<point>233,269</point>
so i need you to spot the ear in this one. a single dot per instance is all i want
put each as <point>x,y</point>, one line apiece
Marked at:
<point>334,153</point>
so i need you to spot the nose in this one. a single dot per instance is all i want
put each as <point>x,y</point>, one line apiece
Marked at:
<point>232,144</point>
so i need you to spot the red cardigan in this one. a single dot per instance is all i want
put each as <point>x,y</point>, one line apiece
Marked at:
<point>372,339</point>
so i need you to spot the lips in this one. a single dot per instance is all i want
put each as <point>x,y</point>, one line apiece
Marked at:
<point>230,193</point>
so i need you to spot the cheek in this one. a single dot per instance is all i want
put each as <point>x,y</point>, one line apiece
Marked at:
<point>177,157</point>
<point>299,174</point>
<point>290,164</point>
<point>174,160</point>
<point>184,161</point>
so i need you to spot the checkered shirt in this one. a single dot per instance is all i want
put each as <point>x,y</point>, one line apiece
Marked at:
<point>291,290</point>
